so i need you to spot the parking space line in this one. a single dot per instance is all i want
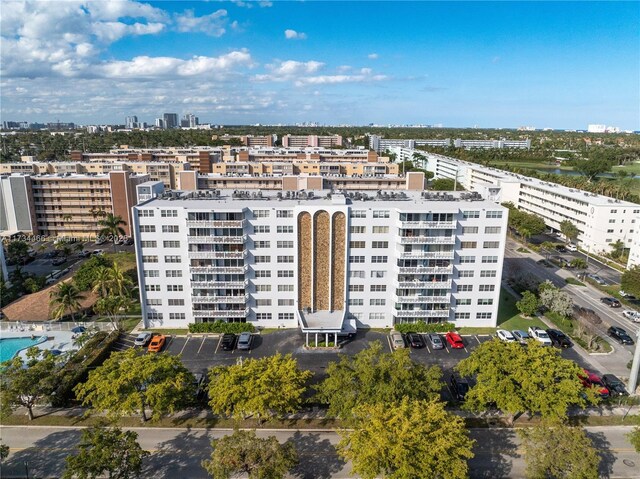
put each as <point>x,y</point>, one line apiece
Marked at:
<point>185,344</point>
<point>427,346</point>
<point>477,339</point>
<point>389,344</point>
<point>218,345</point>
<point>465,348</point>
<point>204,338</point>
<point>446,348</point>
<point>169,343</point>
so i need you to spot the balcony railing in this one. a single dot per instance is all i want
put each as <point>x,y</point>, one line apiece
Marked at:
<point>216,239</point>
<point>428,224</point>
<point>217,254</point>
<point>424,284</point>
<point>426,270</point>
<point>427,240</point>
<point>215,223</point>
<point>220,299</point>
<point>428,255</point>
<point>420,314</point>
<point>222,314</point>
<point>218,269</point>
<point>424,299</point>
<point>220,284</point>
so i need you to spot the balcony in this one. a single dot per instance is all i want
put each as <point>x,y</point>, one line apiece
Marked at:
<point>424,299</point>
<point>427,240</point>
<point>215,224</point>
<point>439,225</point>
<point>220,299</point>
<point>424,284</point>
<point>220,284</point>
<point>217,254</point>
<point>428,255</point>
<point>216,239</point>
<point>427,270</point>
<point>218,269</point>
<point>222,314</point>
<point>421,314</point>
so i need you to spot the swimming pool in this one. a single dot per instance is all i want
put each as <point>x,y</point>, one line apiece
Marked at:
<point>9,347</point>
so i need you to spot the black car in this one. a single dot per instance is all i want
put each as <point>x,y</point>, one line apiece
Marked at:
<point>558,338</point>
<point>50,254</point>
<point>58,261</point>
<point>561,249</point>
<point>619,335</point>
<point>611,302</point>
<point>228,341</point>
<point>614,385</point>
<point>415,340</point>
<point>459,388</point>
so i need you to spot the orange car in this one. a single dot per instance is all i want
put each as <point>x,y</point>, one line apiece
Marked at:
<point>157,343</point>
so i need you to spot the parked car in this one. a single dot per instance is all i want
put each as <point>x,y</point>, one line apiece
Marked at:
<point>563,263</point>
<point>435,340</point>
<point>571,247</point>
<point>597,279</point>
<point>627,296</point>
<point>454,340</point>
<point>506,336</point>
<point>85,253</point>
<point>348,334</point>
<point>228,341</point>
<point>545,263</point>
<point>51,254</point>
<point>611,302</point>
<point>97,251</point>
<point>619,335</point>
<point>128,241</point>
<point>592,380</point>
<point>540,335</point>
<point>199,383</point>
<point>632,315</point>
<point>244,341</point>
<point>53,276</point>
<point>558,338</point>
<point>520,336</point>
<point>100,240</point>
<point>459,388</point>
<point>142,339</point>
<point>397,341</point>
<point>157,343</point>
<point>560,248</point>
<point>58,261</point>
<point>415,340</point>
<point>614,385</point>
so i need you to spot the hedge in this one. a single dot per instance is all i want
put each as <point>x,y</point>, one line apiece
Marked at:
<point>422,327</point>
<point>221,327</point>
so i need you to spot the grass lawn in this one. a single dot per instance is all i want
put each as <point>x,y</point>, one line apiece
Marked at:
<point>509,317</point>
<point>574,281</point>
<point>631,168</point>
<point>127,323</point>
<point>169,331</point>
<point>125,259</point>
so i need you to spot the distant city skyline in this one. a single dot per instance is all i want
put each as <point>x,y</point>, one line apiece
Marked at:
<point>459,64</point>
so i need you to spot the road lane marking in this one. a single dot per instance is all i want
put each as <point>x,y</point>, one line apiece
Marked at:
<point>185,344</point>
<point>204,338</point>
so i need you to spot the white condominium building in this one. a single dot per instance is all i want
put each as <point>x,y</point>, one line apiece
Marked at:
<point>319,260</point>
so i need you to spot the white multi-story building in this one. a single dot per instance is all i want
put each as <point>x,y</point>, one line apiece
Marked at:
<point>319,260</point>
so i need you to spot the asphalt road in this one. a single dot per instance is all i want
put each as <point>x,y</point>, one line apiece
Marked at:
<point>178,452</point>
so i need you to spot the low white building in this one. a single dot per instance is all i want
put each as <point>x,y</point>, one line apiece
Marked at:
<point>319,260</point>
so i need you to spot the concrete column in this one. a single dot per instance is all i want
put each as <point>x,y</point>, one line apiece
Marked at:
<point>316,345</point>
<point>326,339</point>
<point>306,339</point>
<point>335,343</point>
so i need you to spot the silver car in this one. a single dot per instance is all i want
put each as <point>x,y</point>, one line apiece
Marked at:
<point>244,341</point>
<point>521,336</point>
<point>435,341</point>
<point>142,339</point>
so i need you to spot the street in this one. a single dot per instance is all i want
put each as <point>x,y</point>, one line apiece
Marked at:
<point>178,452</point>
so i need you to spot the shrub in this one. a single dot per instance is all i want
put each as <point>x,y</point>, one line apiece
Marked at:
<point>86,274</point>
<point>423,327</point>
<point>221,327</point>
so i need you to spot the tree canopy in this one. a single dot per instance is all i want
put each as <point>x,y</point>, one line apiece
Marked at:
<point>529,304</point>
<point>569,229</point>
<point>88,273</point>
<point>130,382</point>
<point>525,224</point>
<point>412,439</point>
<point>373,376</point>
<point>630,282</point>
<point>273,385</point>
<point>444,184</point>
<point>65,297</point>
<point>592,167</point>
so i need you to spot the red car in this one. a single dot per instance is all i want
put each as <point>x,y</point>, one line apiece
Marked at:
<point>454,340</point>
<point>590,379</point>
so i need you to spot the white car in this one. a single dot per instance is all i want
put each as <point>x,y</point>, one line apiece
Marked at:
<point>540,335</point>
<point>571,247</point>
<point>632,315</point>
<point>504,335</point>
<point>397,341</point>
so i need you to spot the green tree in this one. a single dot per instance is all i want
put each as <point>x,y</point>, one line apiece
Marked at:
<point>578,263</point>
<point>528,305</point>
<point>113,307</point>
<point>130,382</point>
<point>557,301</point>
<point>28,383</point>
<point>634,438</point>
<point>630,281</point>
<point>4,452</point>
<point>443,184</point>
<point>412,439</point>
<point>243,453</point>
<point>102,281</point>
<point>65,298</point>
<point>569,230</point>
<point>86,276</point>
<point>17,252</point>
<point>111,226</point>
<point>535,380</point>
<point>559,451</point>
<point>617,249</point>
<point>373,376</point>
<point>592,167</point>
<point>119,283</point>
<point>268,386</point>
<point>111,452</point>
<point>33,284</point>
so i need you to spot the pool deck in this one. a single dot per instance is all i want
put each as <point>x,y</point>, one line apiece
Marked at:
<point>61,340</point>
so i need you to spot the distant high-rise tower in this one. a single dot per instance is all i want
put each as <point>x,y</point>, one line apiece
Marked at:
<point>131,122</point>
<point>170,120</point>
<point>160,123</point>
<point>190,120</point>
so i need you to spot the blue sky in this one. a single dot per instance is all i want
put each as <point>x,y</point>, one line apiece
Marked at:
<point>490,64</point>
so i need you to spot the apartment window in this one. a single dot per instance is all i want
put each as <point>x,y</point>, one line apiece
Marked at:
<point>356,259</point>
<point>284,213</point>
<point>377,302</point>
<point>356,302</point>
<point>612,221</point>
<point>485,302</point>
<point>151,273</point>
<point>379,259</point>
<point>613,212</point>
<point>263,302</point>
<point>487,273</point>
<point>262,259</point>
<point>463,315</point>
<point>380,213</point>
<point>263,316</point>
<point>285,244</point>
<point>356,288</point>
<point>467,259</point>
<point>154,302</point>
<point>174,273</point>
<point>358,229</point>
<point>491,230</point>
<point>262,273</point>
<point>357,316</point>
<point>463,302</point>
<point>380,244</point>
<point>285,259</point>
<point>378,274</point>
<point>356,244</point>
<point>169,213</point>
<point>147,228</point>
<point>468,230</point>
<point>285,316</point>
<point>154,315</point>
<point>468,244</point>
<point>378,288</point>
<point>171,244</point>
<point>176,302</point>
<point>261,244</point>
<point>149,244</point>
<point>263,288</point>
<point>487,287</point>
<point>375,316</point>
<point>465,288</point>
<point>470,214</point>
<point>177,316</point>
<point>465,273</point>
<point>380,230</point>
<point>356,274</point>
<point>610,231</point>
<point>173,259</point>
<point>284,229</point>
<point>261,213</point>
<point>494,214</point>
<point>358,214</point>
<point>483,315</point>
<point>174,287</point>
<point>285,288</point>
<point>489,259</point>
<point>145,214</point>
<point>491,244</point>
<point>149,259</point>
<point>152,287</point>
<point>608,240</point>
<point>286,302</point>
<point>262,229</point>
<point>170,229</point>
<point>285,273</point>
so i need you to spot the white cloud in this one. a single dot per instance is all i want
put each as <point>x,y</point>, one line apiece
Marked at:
<point>289,70</point>
<point>251,3</point>
<point>344,68</point>
<point>293,35</point>
<point>372,56</point>
<point>213,24</point>
<point>336,79</point>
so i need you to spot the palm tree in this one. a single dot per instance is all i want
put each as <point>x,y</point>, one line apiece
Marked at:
<point>120,284</point>
<point>102,282</point>
<point>112,227</point>
<point>65,297</point>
